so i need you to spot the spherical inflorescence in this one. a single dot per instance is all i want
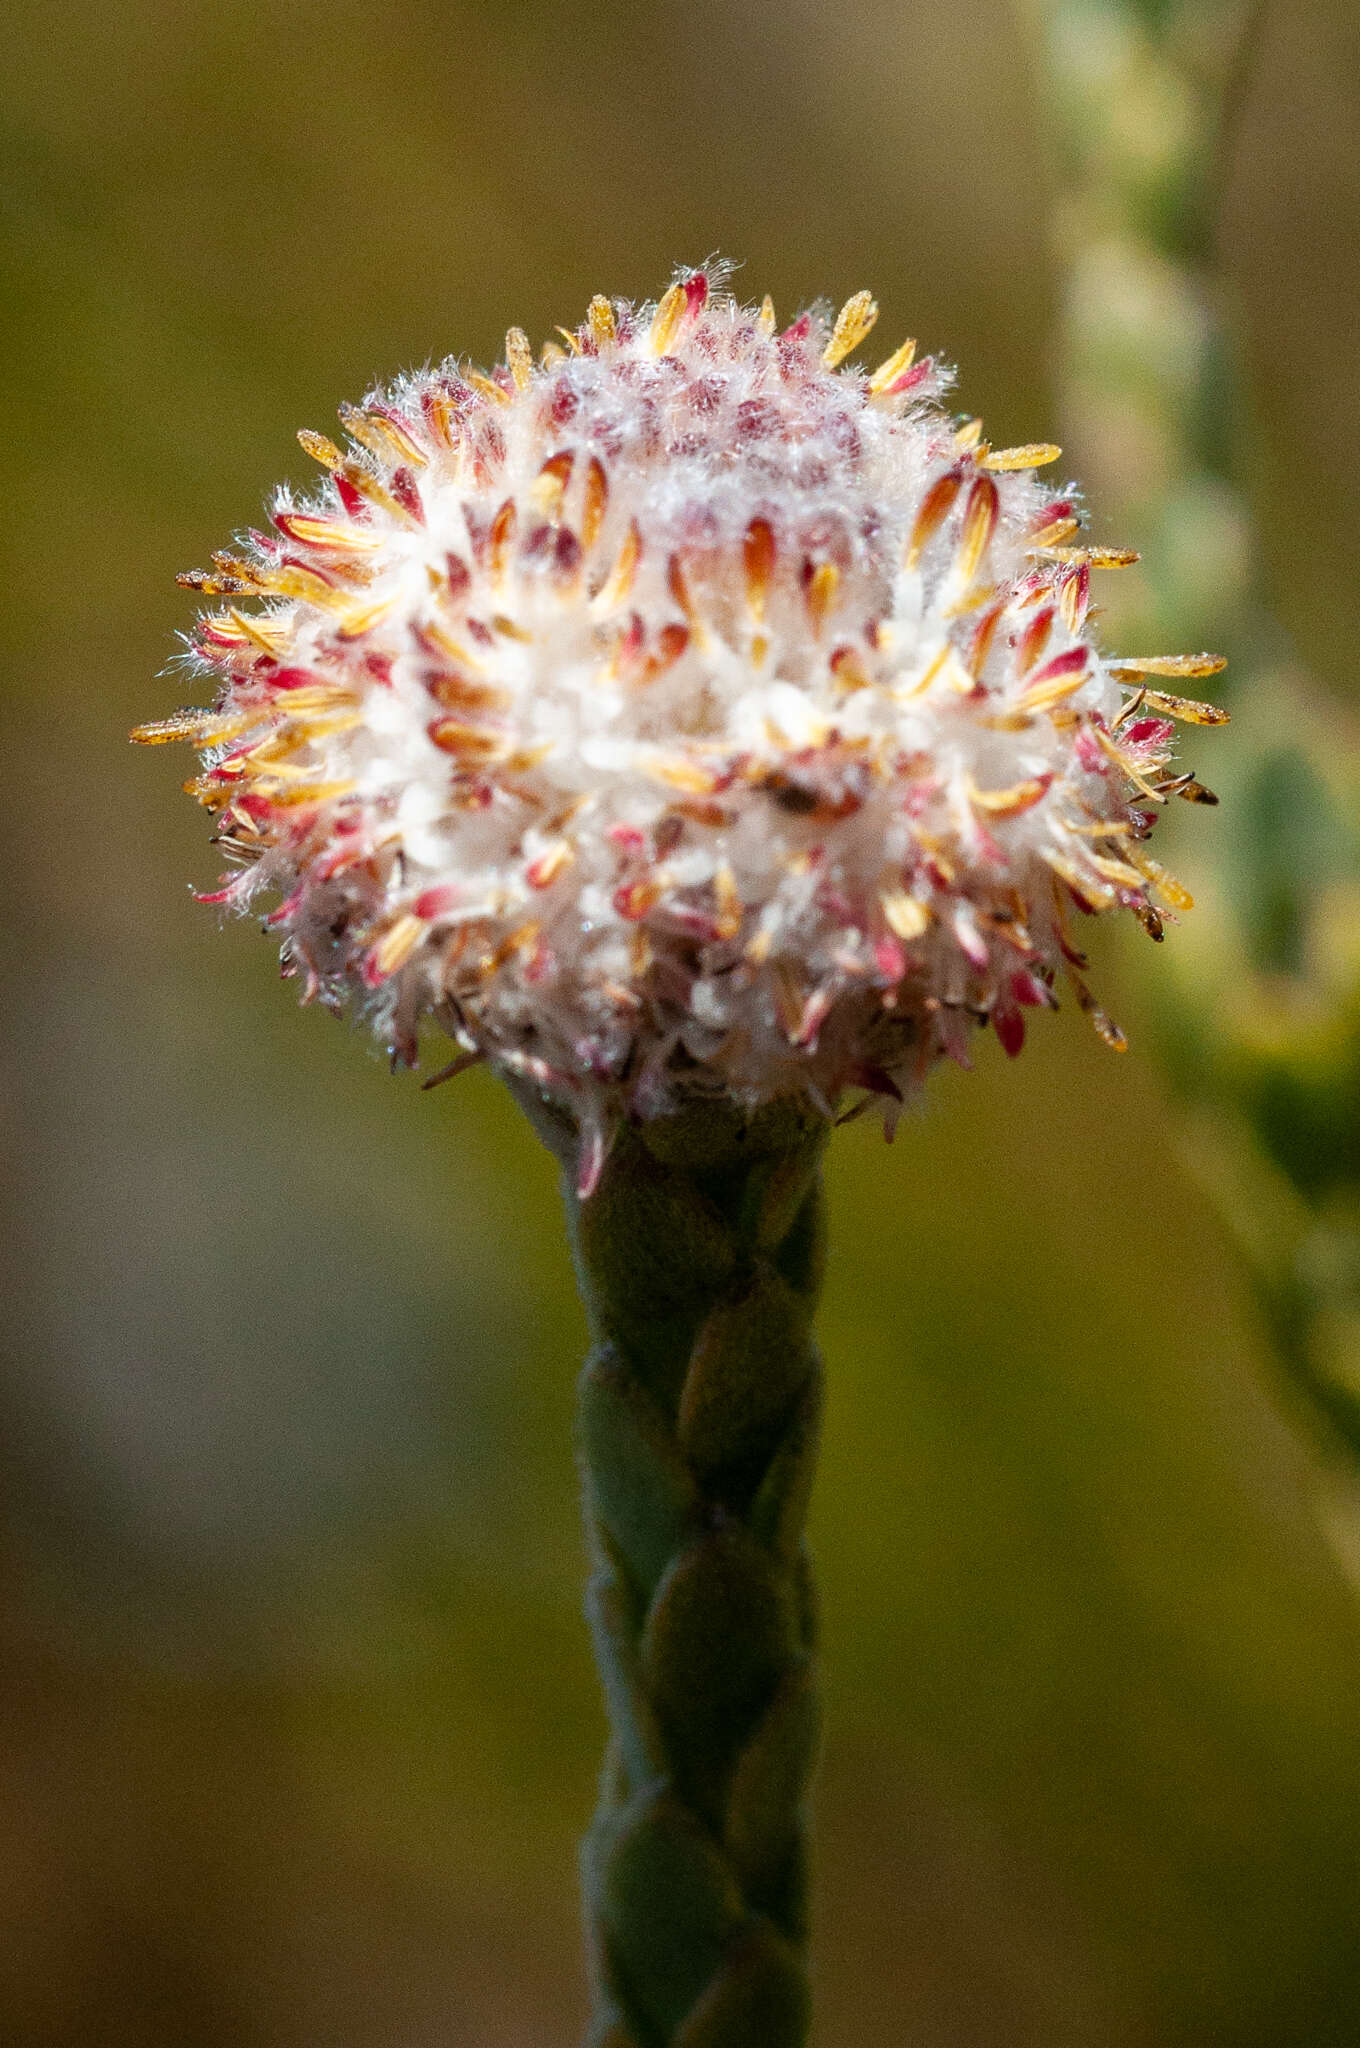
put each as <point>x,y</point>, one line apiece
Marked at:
<point>681,710</point>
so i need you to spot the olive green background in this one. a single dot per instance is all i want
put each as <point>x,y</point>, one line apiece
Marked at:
<point>297,1724</point>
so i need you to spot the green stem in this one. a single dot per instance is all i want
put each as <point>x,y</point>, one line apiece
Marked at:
<point>699,1259</point>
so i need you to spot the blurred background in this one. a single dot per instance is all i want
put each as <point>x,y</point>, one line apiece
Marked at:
<point>297,1722</point>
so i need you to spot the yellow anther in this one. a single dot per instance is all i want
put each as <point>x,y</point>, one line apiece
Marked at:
<point>1190,710</point>
<point>1171,891</point>
<point>339,534</point>
<point>204,728</point>
<point>600,320</point>
<point>320,448</point>
<point>854,321</point>
<point>896,365</point>
<point>1059,529</point>
<point>1133,666</point>
<point>1097,558</point>
<point>1033,455</point>
<point>666,319</point>
<point>487,387</point>
<point>383,438</point>
<point>519,357</point>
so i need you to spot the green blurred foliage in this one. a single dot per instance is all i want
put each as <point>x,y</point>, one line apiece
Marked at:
<point>1156,112</point>
<point>298,1725</point>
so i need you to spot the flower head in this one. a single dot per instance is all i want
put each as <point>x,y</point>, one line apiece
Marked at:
<point>680,709</point>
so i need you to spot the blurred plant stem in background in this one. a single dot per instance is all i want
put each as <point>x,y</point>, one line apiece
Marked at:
<point>1260,1015</point>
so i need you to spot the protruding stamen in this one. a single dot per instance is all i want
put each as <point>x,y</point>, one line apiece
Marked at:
<point>888,372</point>
<point>361,479</point>
<point>1097,558</point>
<point>1033,455</point>
<point>1175,893</point>
<point>310,531</point>
<point>321,448</point>
<point>203,728</point>
<point>601,323</point>
<point>1116,753</point>
<point>1190,710</point>
<point>1129,667</point>
<point>300,580</point>
<point>765,319</point>
<point>1117,871</point>
<point>853,323</point>
<point>666,319</point>
<point>487,387</point>
<point>388,424</point>
<point>1191,789</point>
<point>519,357</point>
<point>384,439</point>
<point>216,584</point>
<point>261,633</point>
<point>437,406</point>
<point>1060,526</point>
